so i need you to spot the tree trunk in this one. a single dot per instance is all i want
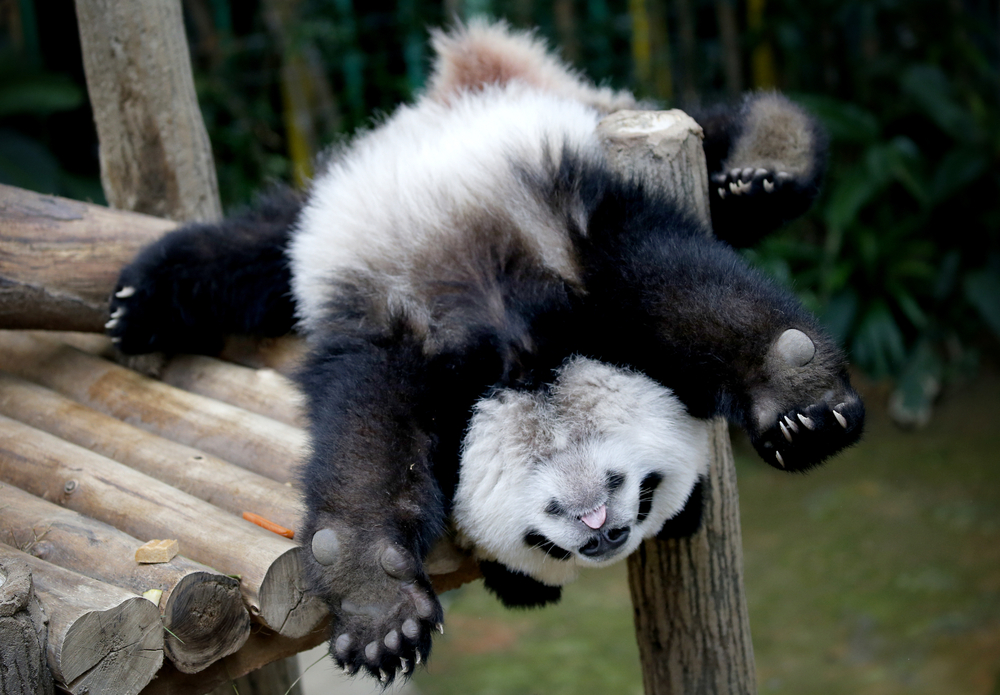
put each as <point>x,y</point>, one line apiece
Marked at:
<point>690,609</point>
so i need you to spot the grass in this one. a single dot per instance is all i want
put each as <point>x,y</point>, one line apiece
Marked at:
<point>878,574</point>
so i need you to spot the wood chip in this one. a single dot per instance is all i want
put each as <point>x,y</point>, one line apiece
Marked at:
<point>156,551</point>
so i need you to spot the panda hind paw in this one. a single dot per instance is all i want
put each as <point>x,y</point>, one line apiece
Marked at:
<point>384,610</point>
<point>804,437</point>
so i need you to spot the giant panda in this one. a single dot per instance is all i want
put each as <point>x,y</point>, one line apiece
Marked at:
<point>573,476</point>
<point>469,244</point>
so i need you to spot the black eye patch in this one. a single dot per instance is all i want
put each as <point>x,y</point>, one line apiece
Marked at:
<point>615,480</point>
<point>533,539</point>
<point>646,489</point>
<point>553,508</point>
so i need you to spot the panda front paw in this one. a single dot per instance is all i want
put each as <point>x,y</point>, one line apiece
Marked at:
<point>804,437</point>
<point>747,203</point>
<point>383,607</point>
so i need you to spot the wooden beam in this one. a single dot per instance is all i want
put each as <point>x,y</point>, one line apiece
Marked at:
<point>265,446</point>
<point>691,614</point>
<point>101,638</point>
<point>24,669</point>
<point>154,148</point>
<point>60,259</point>
<point>267,564</point>
<point>201,609</point>
<point>190,470</point>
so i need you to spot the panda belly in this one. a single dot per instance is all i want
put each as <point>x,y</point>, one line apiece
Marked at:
<point>467,193</point>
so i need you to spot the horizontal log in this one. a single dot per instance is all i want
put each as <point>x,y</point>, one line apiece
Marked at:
<point>207,477</point>
<point>24,669</point>
<point>101,639</point>
<point>263,647</point>
<point>261,391</point>
<point>268,565</point>
<point>260,444</point>
<point>201,609</point>
<point>60,258</point>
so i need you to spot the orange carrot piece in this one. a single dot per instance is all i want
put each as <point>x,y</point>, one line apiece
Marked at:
<point>269,525</point>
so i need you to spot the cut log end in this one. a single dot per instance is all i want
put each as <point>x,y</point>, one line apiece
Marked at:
<point>204,620</point>
<point>284,606</point>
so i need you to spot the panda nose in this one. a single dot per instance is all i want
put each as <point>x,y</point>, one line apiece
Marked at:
<point>605,541</point>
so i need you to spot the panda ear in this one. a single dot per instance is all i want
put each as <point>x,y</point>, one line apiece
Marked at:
<point>517,590</point>
<point>688,520</point>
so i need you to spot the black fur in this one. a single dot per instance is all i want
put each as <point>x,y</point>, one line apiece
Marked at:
<point>688,521</point>
<point>515,589</point>
<point>387,414</point>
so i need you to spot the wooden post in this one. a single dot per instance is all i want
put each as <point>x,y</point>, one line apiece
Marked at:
<point>690,608</point>
<point>101,638</point>
<point>23,666</point>
<point>202,612</point>
<point>154,149</point>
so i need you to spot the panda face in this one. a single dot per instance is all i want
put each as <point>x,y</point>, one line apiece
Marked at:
<point>576,477</point>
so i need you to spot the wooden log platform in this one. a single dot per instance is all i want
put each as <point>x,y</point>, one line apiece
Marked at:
<point>101,639</point>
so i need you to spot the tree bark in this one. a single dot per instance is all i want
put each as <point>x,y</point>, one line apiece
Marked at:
<point>23,666</point>
<point>60,259</point>
<point>690,608</point>
<point>154,149</point>
<point>101,638</point>
<point>268,565</point>
<point>201,609</point>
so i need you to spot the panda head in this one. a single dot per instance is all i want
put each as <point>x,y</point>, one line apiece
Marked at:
<point>577,476</point>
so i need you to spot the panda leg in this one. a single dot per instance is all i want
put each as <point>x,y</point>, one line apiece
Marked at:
<point>766,159</point>
<point>373,504</point>
<point>195,285</point>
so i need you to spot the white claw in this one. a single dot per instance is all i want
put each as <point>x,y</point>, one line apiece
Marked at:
<point>125,292</point>
<point>791,424</point>
<point>383,676</point>
<point>841,419</point>
<point>419,659</point>
<point>809,424</point>
<point>768,186</point>
<point>784,431</point>
<point>440,628</point>
<point>722,192</point>
<point>111,324</point>
<point>781,461</point>
<point>735,188</point>
<point>784,175</point>
<point>746,186</point>
<point>404,665</point>
<point>118,313</point>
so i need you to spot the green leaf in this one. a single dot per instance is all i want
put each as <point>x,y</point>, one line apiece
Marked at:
<point>982,289</point>
<point>844,121</point>
<point>838,314</point>
<point>850,193</point>
<point>910,404</point>
<point>39,95</point>
<point>928,86</point>
<point>959,168</point>
<point>878,343</point>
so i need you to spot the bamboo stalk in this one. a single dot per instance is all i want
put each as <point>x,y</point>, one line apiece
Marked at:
<point>207,477</point>
<point>201,610</point>
<point>23,667</point>
<point>60,259</point>
<point>252,441</point>
<point>268,565</point>
<point>101,639</point>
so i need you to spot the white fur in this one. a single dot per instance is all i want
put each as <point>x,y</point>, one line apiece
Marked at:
<point>416,183</point>
<point>524,449</point>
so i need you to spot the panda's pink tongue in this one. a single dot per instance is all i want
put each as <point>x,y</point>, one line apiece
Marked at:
<point>595,519</point>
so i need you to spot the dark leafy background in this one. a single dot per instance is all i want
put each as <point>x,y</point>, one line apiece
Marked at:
<point>901,257</point>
